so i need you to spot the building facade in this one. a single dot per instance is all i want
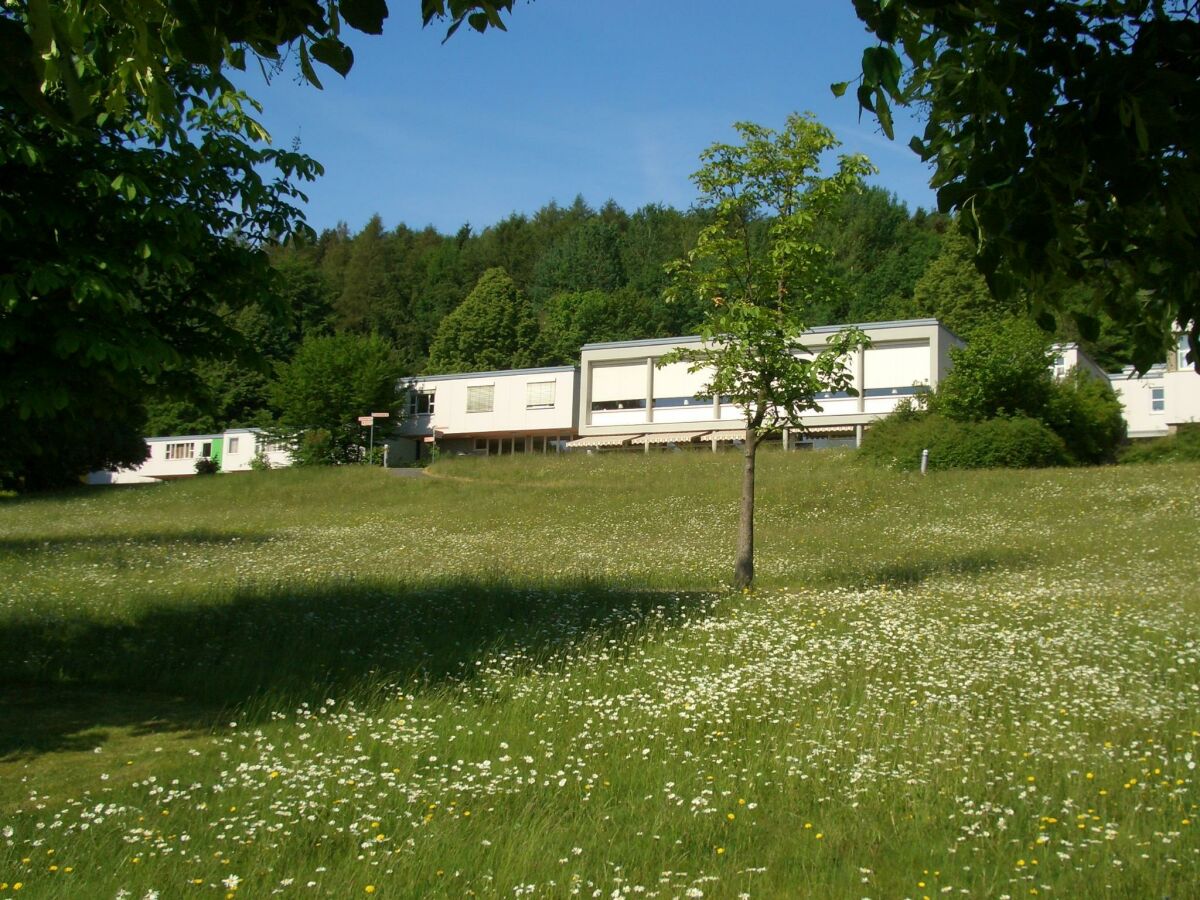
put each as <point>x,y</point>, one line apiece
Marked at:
<point>629,398</point>
<point>488,413</point>
<point>1161,400</point>
<point>175,457</point>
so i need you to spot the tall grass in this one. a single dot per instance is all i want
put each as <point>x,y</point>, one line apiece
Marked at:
<point>524,676</point>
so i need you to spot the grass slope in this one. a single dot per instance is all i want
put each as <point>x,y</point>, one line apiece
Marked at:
<point>523,677</point>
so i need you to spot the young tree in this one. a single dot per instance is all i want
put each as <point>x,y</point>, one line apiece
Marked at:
<point>758,268</point>
<point>330,382</point>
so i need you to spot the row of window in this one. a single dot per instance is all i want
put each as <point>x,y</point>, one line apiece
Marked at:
<point>481,398</point>
<point>704,401</point>
<point>187,449</point>
<point>521,443</point>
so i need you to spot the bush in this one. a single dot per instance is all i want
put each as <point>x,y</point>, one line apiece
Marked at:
<point>315,448</point>
<point>1183,446</point>
<point>1004,371</point>
<point>260,463</point>
<point>1017,442</point>
<point>1085,412</point>
<point>207,466</point>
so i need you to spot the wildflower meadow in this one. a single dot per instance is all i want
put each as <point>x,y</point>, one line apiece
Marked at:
<point>525,677</point>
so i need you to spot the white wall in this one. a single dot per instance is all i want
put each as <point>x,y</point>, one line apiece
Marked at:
<point>1182,396</point>
<point>903,357</point>
<point>1136,395</point>
<point>509,414</point>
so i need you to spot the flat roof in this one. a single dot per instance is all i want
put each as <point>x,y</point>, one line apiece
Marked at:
<point>543,370</point>
<point>1129,372</point>
<point>820,329</point>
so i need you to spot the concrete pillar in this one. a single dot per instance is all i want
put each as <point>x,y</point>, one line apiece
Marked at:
<point>858,435</point>
<point>649,391</point>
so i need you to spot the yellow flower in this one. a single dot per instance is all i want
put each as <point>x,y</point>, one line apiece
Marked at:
<point>369,889</point>
<point>730,816</point>
<point>720,850</point>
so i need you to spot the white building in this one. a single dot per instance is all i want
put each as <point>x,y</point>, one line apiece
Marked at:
<point>175,456</point>
<point>1167,396</point>
<point>489,413</point>
<point>628,399</point>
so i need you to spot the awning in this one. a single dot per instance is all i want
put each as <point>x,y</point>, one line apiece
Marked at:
<point>667,437</point>
<point>601,440</point>
<point>730,435</point>
<point>822,430</point>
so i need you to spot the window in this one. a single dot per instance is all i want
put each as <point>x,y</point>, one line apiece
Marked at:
<point>480,398</point>
<point>420,403</point>
<point>1060,366</point>
<point>639,403</point>
<point>206,449</point>
<point>233,445</point>
<point>1157,399</point>
<point>539,395</point>
<point>669,402</point>
<point>270,446</point>
<point>181,451</point>
<point>1181,362</point>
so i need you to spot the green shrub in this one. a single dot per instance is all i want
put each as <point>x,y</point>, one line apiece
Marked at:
<point>1017,442</point>
<point>207,466</point>
<point>1085,412</point>
<point>1183,446</point>
<point>1004,371</point>
<point>315,448</point>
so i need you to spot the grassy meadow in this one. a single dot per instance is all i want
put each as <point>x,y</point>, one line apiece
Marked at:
<point>524,677</point>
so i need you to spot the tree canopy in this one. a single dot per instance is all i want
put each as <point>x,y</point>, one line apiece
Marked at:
<point>1064,134</point>
<point>493,328</point>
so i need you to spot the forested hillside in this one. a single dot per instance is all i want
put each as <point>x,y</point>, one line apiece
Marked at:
<point>557,279</point>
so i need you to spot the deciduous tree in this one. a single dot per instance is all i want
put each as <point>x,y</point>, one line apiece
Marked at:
<point>331,381</point>
<point>1065,133</point>
<point>758,268</point>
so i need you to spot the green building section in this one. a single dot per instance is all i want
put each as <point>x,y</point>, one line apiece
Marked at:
<point>218,447</point>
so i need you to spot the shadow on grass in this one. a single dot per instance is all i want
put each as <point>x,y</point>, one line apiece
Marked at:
<point>181,663</point>
<point>912,572</point>
<point>199,537</point>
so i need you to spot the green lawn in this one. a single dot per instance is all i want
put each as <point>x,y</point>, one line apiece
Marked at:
<point>524,677</point>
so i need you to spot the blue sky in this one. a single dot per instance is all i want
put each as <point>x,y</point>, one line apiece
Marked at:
<point>610,99</point>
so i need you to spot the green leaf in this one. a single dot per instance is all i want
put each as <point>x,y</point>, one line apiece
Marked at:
<point>365,15</point>
<point>334,54</point>
<point>839,88</point>
<point>306,68</point>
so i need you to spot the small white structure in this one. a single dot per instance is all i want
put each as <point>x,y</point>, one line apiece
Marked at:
<point>175,456</point>
<point>1167,396</point>
<point>1069,357</point>
<point>489,413</point>
<point>628,399</point>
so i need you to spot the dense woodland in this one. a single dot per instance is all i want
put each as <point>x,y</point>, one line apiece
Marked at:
<point>567,275</point>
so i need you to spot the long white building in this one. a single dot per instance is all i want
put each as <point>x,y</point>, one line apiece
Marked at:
<point>171,457</point>
<point>620,395</point>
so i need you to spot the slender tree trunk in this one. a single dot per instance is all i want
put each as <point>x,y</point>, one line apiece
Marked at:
<point>743,567</point>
